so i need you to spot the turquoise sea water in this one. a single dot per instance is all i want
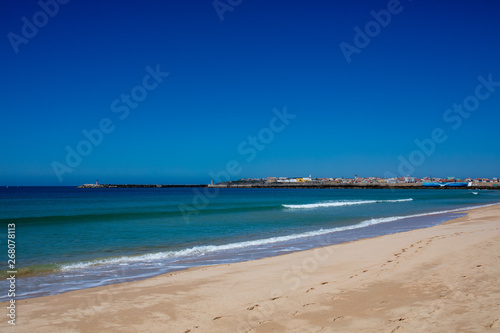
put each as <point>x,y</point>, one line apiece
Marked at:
<point>68,238</point>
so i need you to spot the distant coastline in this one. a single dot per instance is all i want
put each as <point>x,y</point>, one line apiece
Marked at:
<point>325,185</point>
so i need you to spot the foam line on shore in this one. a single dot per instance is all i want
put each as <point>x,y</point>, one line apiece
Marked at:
<point>206,249</point>
<point>342,203</point>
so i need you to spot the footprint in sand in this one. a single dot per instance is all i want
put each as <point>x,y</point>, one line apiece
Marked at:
<point>253,307</point>
<point>495,323</point>
<point>310,289</point>
<point>399,319</point>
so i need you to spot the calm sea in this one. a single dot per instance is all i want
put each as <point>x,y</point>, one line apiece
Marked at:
<point>69,238</point>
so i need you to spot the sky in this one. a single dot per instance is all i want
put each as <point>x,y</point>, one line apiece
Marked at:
<point>171,92</point>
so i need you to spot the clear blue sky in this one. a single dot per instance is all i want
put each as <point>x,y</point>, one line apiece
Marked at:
<point>226,77</point>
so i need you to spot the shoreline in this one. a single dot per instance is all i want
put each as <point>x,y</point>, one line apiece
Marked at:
<point>219,298</point>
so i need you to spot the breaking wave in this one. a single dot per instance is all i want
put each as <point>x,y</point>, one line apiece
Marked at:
<point>342,203</point>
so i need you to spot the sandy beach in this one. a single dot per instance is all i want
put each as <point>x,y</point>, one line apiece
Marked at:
<point>440,279</point>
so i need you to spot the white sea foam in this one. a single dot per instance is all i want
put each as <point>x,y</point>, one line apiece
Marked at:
<point>342,203</point>
<point>202,250</point>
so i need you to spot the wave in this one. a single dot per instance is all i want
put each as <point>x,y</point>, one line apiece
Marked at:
<point>206,249</point>
<point>341,203</point>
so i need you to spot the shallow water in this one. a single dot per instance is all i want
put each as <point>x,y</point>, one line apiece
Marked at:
<point>68,238</point>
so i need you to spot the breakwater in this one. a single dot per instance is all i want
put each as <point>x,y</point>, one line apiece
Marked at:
<point>138,185</point>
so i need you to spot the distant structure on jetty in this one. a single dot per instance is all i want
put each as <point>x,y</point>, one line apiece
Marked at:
<point>136,185</point>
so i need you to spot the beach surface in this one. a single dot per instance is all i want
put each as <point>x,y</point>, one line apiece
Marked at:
<point>443,278</point>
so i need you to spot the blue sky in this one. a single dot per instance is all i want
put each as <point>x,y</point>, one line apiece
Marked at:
<point>226,77</point>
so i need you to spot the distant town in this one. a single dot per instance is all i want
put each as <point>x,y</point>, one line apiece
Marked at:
<point>368,180</point>
<point>356,181</point>
<point>340,182</point>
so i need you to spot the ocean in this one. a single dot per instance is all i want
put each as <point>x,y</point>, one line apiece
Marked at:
<point>69,238</point>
